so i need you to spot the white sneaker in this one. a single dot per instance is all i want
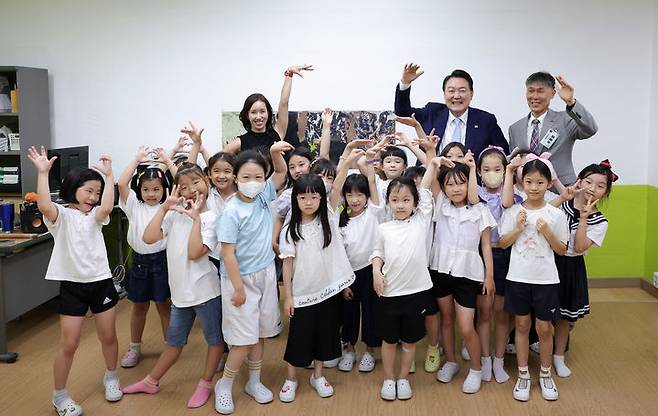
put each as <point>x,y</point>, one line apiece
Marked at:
<point>347,361</point>
<point>548,388</point>
<point>288,390</point>
<point>322,386</point>
<point>472,382</point>
<point>68,408</point>
<point>522,389</point>
<point>535,347</point>
<point>223,401</point>
<point>465,355</point>
<point>447,372</point>
<point>404,389</point>
<point>388,390</point>
<point>113,391</point>
<point>259,392</point>
<point>487,368</point>
<point>367,362</point>
<point>331,363</point>
<point>130,358</point>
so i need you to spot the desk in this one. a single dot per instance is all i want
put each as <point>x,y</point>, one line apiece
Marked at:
<point>23,265</point>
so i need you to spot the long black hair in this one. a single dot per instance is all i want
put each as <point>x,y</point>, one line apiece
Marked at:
<point>356,182</point>
<point>248,103</point>
<point>314,184</point>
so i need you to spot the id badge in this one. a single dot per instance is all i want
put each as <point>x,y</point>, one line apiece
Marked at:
<point>550,138</point>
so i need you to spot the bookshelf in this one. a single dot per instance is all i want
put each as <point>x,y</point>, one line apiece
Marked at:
<point>32,122</point>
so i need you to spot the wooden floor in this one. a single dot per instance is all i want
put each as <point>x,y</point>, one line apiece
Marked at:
<point>614,358</point>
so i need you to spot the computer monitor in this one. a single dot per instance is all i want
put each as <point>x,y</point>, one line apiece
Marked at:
<point>67,158</point>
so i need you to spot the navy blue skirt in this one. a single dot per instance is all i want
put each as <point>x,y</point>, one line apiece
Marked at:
<point>574,298</point>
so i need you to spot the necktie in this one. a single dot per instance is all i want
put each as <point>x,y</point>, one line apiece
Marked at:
<point>457,132</point>
<point>534,137</point>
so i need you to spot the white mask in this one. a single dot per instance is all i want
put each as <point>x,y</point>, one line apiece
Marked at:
<point>492,179</point>
<point>251,189</point>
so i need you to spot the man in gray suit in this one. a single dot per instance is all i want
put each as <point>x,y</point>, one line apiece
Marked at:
<point>545,130</point>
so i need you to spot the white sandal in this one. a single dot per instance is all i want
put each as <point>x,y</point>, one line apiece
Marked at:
<point>367,362</point>
<point>347,362</point>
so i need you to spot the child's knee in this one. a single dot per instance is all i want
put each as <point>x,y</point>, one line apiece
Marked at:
<point>523,326</point>
<point>544,330</point>
<point>107,337</point>
<point>69,346</point>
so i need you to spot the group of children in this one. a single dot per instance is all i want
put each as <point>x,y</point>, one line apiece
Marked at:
<point>369,246</point>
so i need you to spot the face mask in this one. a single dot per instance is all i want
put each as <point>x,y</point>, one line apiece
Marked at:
<point>327,187</point>
<point>251,189</point>
<point>492,179</point>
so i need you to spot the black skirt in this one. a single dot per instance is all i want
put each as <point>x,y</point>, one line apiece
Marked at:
<point>574,298</point>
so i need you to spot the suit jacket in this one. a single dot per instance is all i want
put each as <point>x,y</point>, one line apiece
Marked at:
<point>575,124</point>
<point>482,128</point>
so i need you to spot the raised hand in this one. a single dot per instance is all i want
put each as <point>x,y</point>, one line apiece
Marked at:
<point>410,72</point>
<point>521,219</point>
<point>515,163</point>
<point>355,154</point>
<point>408,121</point>
<point>565,91</point>
<point>428,142</point>
<point>354,144</point>
<point>173,199</point>
<point>588,209</point>
<point>193,208</point>
<point>193,132</point>
<point>404,140</point>
<point>179,145</point>
<point>439,161</point>
<point>142,154</point>
<point>106,165</point>
<point>327,116</point>
<point>40,159</point>
<point>297,69</point>
<point>570,192</point>
<point>469,160</point>
<point>281,146</point>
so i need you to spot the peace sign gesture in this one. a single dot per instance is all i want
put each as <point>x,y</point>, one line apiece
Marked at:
<point>588,209</point>
<point>297,69</point>
<point>410,72</point>
<point>192,131</point>
<point>565,90</point>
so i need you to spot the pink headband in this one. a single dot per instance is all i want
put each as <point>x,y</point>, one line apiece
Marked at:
<point>531,156</point>
<point>498,148</point>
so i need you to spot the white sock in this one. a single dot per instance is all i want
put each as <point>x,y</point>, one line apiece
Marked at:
<point>560,367</point>
<point>110,375</point>
<point>135,346</point>
<point>524,372</point>
<point>485,362</point>
<point>59,396</point>
<point>499,370</point>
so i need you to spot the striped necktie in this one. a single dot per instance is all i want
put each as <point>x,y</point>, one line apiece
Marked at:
<point>534,137</point>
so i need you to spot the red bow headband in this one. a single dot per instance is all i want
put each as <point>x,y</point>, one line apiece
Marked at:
<point>606,163</point>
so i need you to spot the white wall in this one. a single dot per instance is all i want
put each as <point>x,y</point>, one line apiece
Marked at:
<point>124,73</point>
<point>652,154</point>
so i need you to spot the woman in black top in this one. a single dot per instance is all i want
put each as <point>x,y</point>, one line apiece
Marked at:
<point>258,119</point>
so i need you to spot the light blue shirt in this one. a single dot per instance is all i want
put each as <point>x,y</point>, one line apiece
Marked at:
<point>248,225</point>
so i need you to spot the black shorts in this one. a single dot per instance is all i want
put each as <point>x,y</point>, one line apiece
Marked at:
<point>465,291</point>
<point>314,333</point>
<point>542,300</point>
<point>500,268</point>
<point>76,298</point>
<point>402,318</point>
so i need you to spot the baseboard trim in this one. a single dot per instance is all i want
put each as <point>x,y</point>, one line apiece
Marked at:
<point>621,282</point>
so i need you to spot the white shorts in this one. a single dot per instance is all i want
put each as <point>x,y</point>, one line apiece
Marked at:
<point>259,316</point>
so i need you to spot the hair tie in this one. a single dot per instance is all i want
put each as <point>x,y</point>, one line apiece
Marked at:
<point>606,163</point>
<point>500,149</point>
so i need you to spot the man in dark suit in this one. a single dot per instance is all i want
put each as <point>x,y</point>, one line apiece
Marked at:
<point>455,120</point>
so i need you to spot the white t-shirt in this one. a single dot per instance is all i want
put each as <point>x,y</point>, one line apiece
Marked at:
<point>79,253</point>
<point>382,187</point>
<point>455,249</point>
<point>360,233</point>
<point>192,282</point>
<point>319,273</point>
<point>216,202</point>
<point>139,216</point>
<point>532,259</point>
<point>401,245</point>
<point>597,226</point>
